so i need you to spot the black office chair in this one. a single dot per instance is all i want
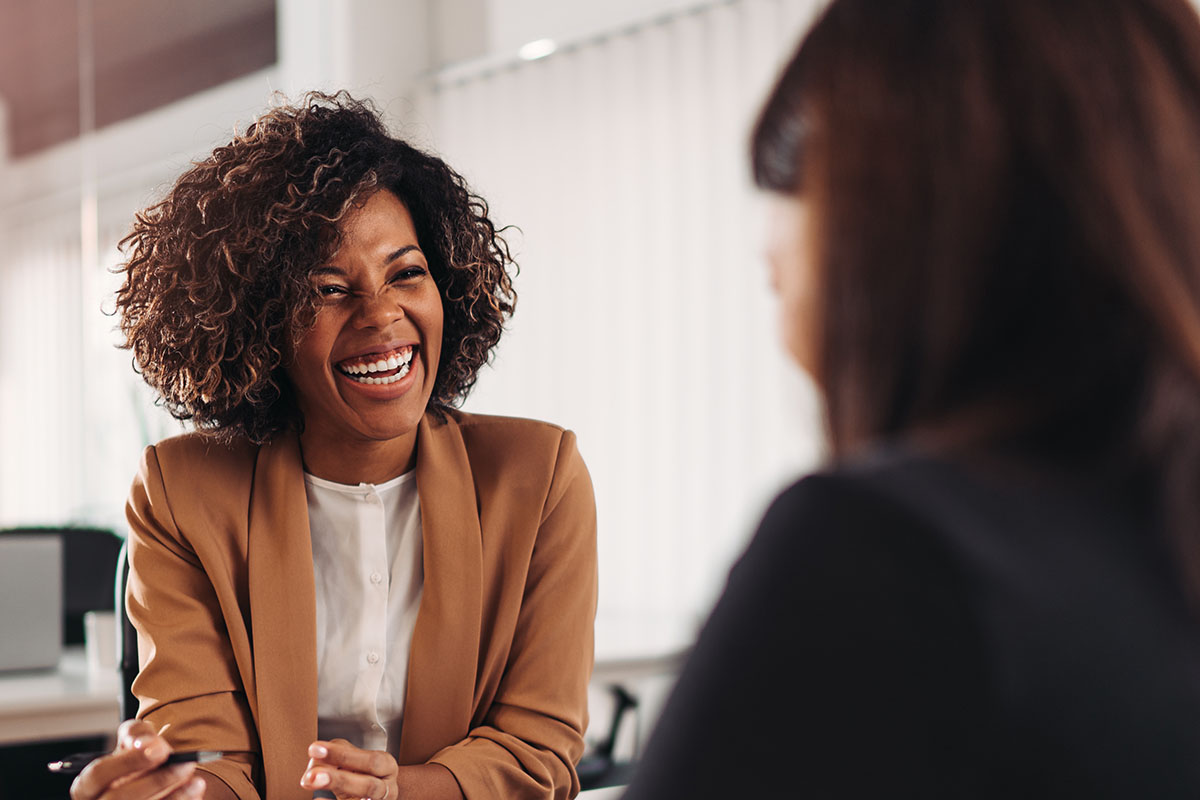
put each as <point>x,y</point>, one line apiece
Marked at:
<point>600,767</point>
<point>127,649</point>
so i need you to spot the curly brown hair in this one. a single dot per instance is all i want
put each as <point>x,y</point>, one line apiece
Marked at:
<point>217,290</point>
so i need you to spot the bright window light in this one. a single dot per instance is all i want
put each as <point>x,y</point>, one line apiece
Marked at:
<point>537,49</point>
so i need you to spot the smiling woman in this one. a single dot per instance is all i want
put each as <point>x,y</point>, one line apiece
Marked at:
<point>340,581</point>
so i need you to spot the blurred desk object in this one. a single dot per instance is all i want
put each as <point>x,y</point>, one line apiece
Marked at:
<point>65,703</point>
<point>638,657</point>
<point>607,793</point>
<point>89,562</point>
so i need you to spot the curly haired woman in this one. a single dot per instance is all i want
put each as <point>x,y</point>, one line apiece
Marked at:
<point>339,581</point>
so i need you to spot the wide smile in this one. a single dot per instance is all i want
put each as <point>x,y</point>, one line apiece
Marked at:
<point>378,369</point>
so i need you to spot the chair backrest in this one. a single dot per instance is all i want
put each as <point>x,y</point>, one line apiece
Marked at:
<point>127,649</point>
<point>89,565</point>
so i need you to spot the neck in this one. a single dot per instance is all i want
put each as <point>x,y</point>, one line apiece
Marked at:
<point>357,461</point>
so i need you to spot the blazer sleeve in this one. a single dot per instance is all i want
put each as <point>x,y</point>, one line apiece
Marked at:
<point>188,676</point>
<point>532,735</point>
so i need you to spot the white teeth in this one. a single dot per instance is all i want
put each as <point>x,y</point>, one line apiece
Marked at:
<point>384,381</point>
<point>402,359</point>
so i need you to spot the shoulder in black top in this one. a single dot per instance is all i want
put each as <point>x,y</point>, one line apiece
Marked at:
<point>909,628</point>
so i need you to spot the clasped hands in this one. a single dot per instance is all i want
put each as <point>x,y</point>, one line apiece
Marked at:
<point>134,771</point>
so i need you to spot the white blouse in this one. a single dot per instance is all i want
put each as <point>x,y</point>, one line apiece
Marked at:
<point>366,543</point>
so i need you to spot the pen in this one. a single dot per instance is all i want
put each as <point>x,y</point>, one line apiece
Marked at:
<point>74,764</point>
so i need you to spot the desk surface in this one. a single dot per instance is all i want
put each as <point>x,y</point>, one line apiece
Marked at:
<point>58,704</point>
<point>69,702</point>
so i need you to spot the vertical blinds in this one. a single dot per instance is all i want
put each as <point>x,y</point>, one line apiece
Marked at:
<point>73,414</point>
<point>645,321</point>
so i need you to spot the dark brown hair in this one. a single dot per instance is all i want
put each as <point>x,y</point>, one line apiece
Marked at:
<point>1006,196</point>
<point>217,290</point>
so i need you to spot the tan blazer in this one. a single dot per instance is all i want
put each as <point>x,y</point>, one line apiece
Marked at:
<point>221,591</point>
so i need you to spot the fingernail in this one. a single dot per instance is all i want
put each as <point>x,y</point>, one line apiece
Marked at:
<point>318,750</point>
<point>195,788</point>
<point>320,779</point>
<point>140,742</point>
<point>157,751</point>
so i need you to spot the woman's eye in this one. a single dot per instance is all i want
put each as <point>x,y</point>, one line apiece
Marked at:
<point>331,290</point>
<point>408,274</point>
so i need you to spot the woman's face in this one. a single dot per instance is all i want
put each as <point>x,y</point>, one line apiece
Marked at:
<point>791,256</point>
<point>365,371</point>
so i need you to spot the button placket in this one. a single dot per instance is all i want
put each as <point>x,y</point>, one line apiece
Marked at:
<point>374,553</point>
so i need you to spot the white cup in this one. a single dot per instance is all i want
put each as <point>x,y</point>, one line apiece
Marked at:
<point>100,641</point>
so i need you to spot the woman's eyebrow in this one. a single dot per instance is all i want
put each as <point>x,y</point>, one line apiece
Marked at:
<point>402,251</point>
<point>331,269</point>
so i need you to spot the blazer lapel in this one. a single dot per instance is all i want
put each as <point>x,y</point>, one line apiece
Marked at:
<point>439,700</point>
<point>283,615</point>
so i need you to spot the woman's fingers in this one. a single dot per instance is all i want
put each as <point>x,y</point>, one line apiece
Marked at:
<point>192,790</point>
<point>349,771</point>
<point>169,782</point>
<point>143,753</point>
<point>132,771</point>
<point>131,729</point>
<point>343,755</point>
<point>348,784</point>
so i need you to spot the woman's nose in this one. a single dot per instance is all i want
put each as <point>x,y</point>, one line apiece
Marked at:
<point>380,310</point>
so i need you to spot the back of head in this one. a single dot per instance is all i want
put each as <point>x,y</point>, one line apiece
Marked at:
<point>1006,204</point>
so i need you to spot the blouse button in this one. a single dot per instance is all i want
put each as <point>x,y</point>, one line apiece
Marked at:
<point>376,577</point>
<point>372,657</point>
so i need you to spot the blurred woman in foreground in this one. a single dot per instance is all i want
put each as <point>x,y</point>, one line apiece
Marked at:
<point>987,251</point>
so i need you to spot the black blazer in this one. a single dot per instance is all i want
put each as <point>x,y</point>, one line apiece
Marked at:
<point>907,627</point>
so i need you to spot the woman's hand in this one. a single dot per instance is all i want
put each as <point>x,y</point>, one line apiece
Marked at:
<point>133,770</point>
<point>350,772</point>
